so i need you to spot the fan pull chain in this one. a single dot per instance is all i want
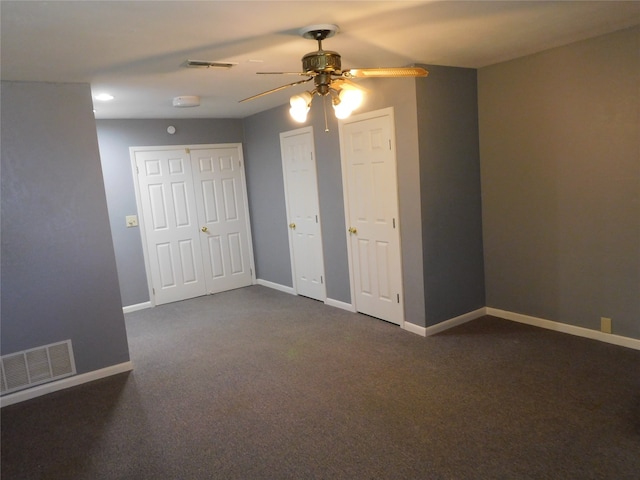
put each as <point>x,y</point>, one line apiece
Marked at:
<point>324,105</point>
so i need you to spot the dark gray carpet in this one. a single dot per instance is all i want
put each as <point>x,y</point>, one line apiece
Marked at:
<point>258,384</point>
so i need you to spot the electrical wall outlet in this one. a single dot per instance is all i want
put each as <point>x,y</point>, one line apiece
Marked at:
<point>132,221</point>
<point>605,325</point>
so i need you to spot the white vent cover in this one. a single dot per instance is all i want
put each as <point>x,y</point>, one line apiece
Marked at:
<point>208,64</point>
<point>32,367</point>
<point>186,101</point>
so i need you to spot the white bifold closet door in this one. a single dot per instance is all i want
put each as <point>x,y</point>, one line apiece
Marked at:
<point>195,220</point>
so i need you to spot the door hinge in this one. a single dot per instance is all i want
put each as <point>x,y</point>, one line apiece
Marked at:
<point>316,218</point>
<point>321,279</point>
<point>398,297</point>
<point>187,150</point>
<point>137,170</point>
<point>389,144</point>
<point>394,223</point>
<point>153,290</point>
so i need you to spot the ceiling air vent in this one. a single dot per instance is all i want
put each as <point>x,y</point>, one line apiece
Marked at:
<point>208,64</point>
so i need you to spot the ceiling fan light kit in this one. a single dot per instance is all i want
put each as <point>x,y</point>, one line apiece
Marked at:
<point>325,69</point>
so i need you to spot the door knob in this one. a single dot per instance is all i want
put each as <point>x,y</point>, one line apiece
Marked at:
<point>204,229</point>
<point>292,226</point>
<point>353,230</point>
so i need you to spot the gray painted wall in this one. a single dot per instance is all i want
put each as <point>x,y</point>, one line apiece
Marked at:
<point>267,203</point>
<point>560,156</point>
<point>450,184</point>
<point>265,184</point>
<point>560,177</point>
<point>59,277</point>
<point>115,137</point>
<point>400,93</point>
<point>334,236</point>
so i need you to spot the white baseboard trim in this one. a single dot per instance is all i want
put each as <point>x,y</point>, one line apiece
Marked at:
<point>68,382</point>
<point>136,307</point>
<point>338,304</point>
<point>446,324</point>
<point>455,321</point>
<point>566,328</point>
<point>276,286</point>
<point>413,328</point>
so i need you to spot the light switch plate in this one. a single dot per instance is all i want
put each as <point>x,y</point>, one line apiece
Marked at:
<point>132,221</point>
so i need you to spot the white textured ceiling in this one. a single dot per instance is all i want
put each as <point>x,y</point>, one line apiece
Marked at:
<point>135,50</point>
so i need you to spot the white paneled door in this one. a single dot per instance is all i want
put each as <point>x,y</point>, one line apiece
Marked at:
<point>303,212</point>
<point>222,211</point>
<point>195,220</point>
<point>369,170</point>
<point>170,224</point>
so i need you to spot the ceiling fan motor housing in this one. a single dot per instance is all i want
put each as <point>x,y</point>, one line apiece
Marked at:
<point>321,62</point>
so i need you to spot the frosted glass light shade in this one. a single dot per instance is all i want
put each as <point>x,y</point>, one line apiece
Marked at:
<point>341,111</point>
<point>300,105</point>
<point>299,114</point>
<point>351,98</point>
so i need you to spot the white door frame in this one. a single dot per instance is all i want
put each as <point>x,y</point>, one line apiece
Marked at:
<point>389,111</point>
<point>290,133</point>
<point>141,220</point>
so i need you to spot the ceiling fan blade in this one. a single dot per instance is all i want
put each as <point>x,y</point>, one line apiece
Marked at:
<point>385,72</point>
<point>340,80</point>
<point>277,89</point>
<point>282,73</point>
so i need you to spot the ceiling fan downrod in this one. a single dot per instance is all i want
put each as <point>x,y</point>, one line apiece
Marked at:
<point>319,36</point>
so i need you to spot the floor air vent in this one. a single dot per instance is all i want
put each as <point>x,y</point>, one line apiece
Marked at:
<point>36,366</point>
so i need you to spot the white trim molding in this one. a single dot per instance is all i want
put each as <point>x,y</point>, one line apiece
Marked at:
<point>446,324</point>
<point>136,307</point>
<point>413,328</point>
<point>276,286</point>
<point>338,304</point>
<point>566,328</point>
<point>64,383</point>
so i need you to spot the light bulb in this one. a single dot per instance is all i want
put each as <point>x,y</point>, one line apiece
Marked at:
<point>300,105</point>
<point>300,101</point>
<point>341,110</point>
<point>351,97</point>
<point>299,115</point>
<point>104,97</point>
<point>297,102</point>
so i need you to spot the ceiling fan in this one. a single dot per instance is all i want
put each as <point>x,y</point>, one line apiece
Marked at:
<point>325,69</point>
